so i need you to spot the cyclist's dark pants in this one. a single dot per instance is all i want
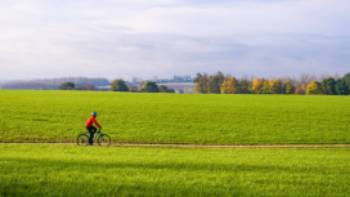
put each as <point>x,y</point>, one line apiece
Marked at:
<point>92,130</point>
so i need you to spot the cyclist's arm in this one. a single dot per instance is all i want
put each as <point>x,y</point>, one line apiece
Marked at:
<point>97,124</point>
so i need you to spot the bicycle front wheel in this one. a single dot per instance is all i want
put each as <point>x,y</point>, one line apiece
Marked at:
<point>83,139</point>
<point>104,140</point>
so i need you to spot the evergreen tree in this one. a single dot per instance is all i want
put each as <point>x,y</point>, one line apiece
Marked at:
<point>341,88</point>
<point>150,86</point>
<point>244,86</point>
<point>215,82</point>
<point>346,78</point>
<point>119,85</point>
<point>201,83</point>
<point>328,86</point>
<point>67,86</point>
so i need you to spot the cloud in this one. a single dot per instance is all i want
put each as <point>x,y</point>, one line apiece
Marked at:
<point>125,38</point>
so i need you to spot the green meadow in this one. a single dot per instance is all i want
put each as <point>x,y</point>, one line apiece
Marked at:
<point>58,116</point>
<point>71,170</point>
<point>68,170</point>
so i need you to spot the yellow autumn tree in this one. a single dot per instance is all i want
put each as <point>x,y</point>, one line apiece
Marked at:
<point>229,86</point>
<point>257,85</point>
<point>314,87</point>
<point>275,86</point>
<point>266,87</point>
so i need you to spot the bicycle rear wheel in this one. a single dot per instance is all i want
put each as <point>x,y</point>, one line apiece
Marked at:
<point>104,140</point>
<point>83,139</point>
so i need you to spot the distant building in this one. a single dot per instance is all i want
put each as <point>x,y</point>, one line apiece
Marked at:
<point>104,87</point>
<point>181,88</point>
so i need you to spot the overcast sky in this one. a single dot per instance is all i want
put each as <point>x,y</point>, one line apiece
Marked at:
<point>145,38</point>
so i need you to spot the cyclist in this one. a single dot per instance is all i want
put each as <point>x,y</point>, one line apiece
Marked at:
<point>91,129</point>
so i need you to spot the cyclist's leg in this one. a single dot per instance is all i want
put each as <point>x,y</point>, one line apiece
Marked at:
<point>91,132</point>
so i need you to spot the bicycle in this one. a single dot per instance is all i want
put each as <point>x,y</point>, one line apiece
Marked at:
<point>101,138</point>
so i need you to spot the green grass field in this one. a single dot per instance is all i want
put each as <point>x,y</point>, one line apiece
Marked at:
<point>58,116</point>
<point>68,170</point>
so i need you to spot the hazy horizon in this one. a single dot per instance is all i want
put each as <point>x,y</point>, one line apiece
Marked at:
<point>139,38</point>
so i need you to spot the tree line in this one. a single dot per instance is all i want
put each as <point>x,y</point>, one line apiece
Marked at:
<point>219,83</point>
<point>147,86</point>
<point>120,85</point>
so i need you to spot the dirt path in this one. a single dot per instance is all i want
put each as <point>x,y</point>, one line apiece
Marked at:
<point>238,146</point>
<point>216,146</point>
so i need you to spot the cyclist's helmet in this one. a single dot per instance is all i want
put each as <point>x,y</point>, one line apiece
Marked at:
<point>94,114</point>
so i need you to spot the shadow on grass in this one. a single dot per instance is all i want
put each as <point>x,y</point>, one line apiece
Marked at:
<point>167,166</point>
<point>28,177</point>
<point>72,185</point>
<point>66,188</point>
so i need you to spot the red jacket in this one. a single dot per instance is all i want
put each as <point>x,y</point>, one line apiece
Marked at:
<point>92,120</point>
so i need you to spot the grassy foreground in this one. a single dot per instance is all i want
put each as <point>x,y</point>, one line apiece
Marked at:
<point>67,170</point>
<point>58,116</point>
